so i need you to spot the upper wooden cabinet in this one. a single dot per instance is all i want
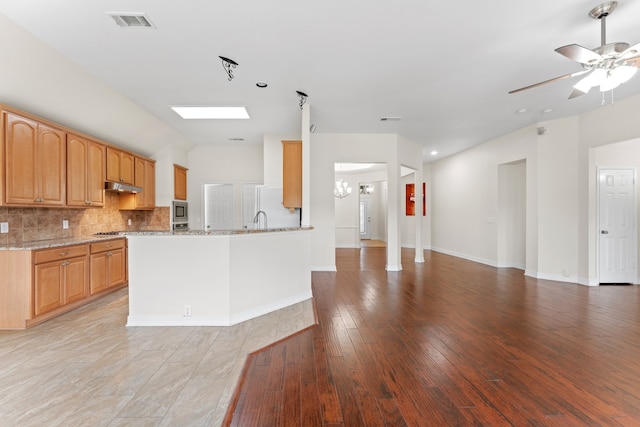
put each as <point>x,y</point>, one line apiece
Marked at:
<point>120,166</point>
<point>292,174</point>
<point>179,182</point>
<point>85,172</point>
<point>35,162</point>
<point>145,177</point>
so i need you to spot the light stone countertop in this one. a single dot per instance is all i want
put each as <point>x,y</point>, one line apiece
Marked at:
<point>52,243</point>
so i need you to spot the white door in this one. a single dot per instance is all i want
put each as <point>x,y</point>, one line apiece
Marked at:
<point>248,204</point>
<point>365,220</point>
<point>617,230</point>
<point>218,206</point>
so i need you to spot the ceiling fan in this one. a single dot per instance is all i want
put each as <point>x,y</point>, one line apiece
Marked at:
<point>607,66</point>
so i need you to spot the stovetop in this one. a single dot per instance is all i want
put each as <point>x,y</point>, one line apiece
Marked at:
<point>109,233</point>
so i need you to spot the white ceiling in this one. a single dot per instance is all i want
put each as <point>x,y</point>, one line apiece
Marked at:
<point>445,67</point>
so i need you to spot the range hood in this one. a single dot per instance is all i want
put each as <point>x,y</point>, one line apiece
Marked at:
<point>121,188</point>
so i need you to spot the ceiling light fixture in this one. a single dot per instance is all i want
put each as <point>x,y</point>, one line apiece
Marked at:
<point>228,65</point>
<point>367,188</point>
<point>261,85</point>
<point>312,128</point>
<point>211,112</point>
<point>434,153</point>
<point>303,98</point>
<point>342,189</point>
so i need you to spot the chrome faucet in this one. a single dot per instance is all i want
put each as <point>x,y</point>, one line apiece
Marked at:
<point>256,219</point>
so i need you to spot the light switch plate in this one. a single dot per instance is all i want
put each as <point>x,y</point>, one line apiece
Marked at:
<point>65,224</point>
<point>4,227</point>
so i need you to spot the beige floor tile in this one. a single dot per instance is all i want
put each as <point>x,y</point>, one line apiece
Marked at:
<point>86,368</point>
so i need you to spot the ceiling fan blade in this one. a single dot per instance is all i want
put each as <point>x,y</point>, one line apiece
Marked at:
<point>631,52</point>
<point>566,76</point>
<point>580,54</point>
<point>576,93</point>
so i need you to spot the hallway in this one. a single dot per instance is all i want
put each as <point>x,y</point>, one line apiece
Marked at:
<point>449,342</point>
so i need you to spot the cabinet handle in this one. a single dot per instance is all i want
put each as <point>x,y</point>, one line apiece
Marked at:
<point>65,263</point>
<point>64,253</point>
<point>109,254</point>
<point>108,245</point>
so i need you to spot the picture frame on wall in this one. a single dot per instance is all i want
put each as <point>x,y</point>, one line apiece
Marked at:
<point>410,202</point>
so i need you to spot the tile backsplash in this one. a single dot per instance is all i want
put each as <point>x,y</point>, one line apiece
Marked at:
<point>29,224</point>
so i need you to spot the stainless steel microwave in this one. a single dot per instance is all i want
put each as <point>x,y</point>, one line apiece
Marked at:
<point>180,212</point>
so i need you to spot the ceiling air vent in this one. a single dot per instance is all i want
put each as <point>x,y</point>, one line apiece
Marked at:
<point>131,20</point>
<point>390,119</point>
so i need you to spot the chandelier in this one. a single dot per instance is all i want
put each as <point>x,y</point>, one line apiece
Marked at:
<point>342,189</point>
<point>367,189</point>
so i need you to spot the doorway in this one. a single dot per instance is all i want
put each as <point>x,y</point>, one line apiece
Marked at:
<point>512,215</point>
<point>616,226</point>
<point>218,206</point>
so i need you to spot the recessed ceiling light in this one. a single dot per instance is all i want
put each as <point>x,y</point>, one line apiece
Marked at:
<point>522,111</point>
<point>236,139</point>
<point>261,84</point>
<point>434,152</point>
<point>211,112</point>
<point>547,111</point>
<point>390,119</point>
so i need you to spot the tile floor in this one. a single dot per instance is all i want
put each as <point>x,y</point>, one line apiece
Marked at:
<point>86,368</point>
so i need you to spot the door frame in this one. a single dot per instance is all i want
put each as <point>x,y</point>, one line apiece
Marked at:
<point>634,244</point>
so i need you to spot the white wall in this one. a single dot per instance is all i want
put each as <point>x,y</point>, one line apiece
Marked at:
<point>39,80</point>
<point>222,164</point>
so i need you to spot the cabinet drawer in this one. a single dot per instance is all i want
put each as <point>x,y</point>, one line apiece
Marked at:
<point>109,245</point>
<point>61,252</point>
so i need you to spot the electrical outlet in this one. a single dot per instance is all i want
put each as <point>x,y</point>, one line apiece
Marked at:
<point>129,221</point>
<point>65,224</point>
<point>187,311</point>
<point>4,227</point>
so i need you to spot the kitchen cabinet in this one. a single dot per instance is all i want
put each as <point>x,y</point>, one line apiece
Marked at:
<point>179,182</point>
<point>85,172</point>
<point>107,265</point>
<point>120,166</point>
<point>60,277</point>
<point>292,174</point>
<point>35,162</point>
<point>145,177</point>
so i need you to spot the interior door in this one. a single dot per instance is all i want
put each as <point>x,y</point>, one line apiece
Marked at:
<point>218,206</point>
<point>365,220</point>
<point>617,230</point>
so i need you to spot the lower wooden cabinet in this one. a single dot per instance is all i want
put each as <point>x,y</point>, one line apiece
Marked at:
<point>60,277</point>
<point>108,265</point>
<point>58,283</point>
<point>36,285</point>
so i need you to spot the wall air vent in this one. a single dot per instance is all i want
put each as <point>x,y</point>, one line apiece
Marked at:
<point>236,139</point>
<point>131,20</point>
<point>390,119</point>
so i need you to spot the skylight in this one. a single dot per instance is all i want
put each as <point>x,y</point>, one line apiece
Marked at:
<point>211,112</point>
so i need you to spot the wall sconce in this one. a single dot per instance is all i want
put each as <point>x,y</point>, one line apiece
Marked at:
<point>303,98</point>
<point>367,189</point>
<point>342,189</point>
<point>227,65</point>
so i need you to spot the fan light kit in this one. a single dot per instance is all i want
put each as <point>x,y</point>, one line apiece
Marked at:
<point>228,65</point>
<point>607,66</point>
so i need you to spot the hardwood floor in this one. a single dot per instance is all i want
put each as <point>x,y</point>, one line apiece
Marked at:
<point>449,343</point>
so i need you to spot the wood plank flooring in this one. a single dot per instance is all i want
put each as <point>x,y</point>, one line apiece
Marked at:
<point>449,343</point>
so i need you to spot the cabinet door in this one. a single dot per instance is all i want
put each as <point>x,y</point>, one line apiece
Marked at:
<point>98,268</point>
<point>77,170</point>
<point>149,185</point>
<point>179,182</point>
<point>113,165</point>
<point>75,279</point>
<point>292,174</point>
<point>127,168</point>
<point>95,174</point>
<point>48,292</point>
<point>116,262</point>
<point>21,143</point>
<point>52,170</point>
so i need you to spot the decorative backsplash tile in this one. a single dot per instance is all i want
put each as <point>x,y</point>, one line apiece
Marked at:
<point>29,224</point>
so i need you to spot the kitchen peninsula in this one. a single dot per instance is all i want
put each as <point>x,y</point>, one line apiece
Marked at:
<point>216,278</point>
